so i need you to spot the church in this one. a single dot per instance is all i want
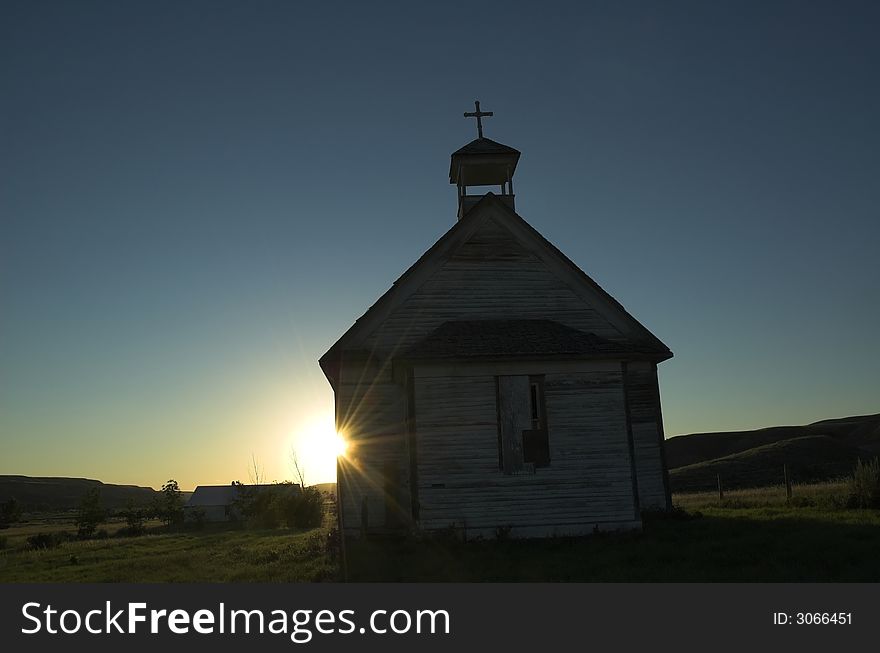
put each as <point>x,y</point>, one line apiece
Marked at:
<point>495,388</point>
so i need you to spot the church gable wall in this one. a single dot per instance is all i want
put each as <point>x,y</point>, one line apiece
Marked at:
<point>490,276</point>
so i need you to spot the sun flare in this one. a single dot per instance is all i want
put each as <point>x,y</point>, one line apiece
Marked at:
<point>317,446</point>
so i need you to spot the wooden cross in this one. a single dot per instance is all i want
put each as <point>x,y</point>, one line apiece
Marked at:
<point>479,116</point>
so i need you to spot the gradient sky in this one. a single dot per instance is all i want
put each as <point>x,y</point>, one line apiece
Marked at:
<point>198,198</point>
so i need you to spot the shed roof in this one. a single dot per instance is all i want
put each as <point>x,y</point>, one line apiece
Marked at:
<point>502,338</point>
<point>224,495</point>
<point>213,495</point>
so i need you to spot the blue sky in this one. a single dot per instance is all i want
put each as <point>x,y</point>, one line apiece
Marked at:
<point>198,198</point>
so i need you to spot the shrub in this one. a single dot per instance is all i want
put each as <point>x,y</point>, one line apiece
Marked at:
<point>10,512</point>
<point>90,513</point>
<point>305,509</point>
<point>196,516</point>
<point>134,520</point>
<point>47,540</point>
<point>864,485</point>
<point>266,509</point>
<point>169,507</point>
<point>269,506</point>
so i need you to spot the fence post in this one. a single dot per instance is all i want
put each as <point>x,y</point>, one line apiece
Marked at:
<point>720,489</point>
<point>787,483</point>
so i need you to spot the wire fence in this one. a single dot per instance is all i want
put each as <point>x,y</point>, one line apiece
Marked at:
<point>731,478</point>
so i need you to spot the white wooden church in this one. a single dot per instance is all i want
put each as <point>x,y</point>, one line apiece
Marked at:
<point>495,385</point>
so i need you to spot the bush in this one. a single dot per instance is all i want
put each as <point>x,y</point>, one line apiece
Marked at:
<point>305,509</point>
<point>265,509</point>
<point>196,516</point>
<point>90,513</point>
<point>10,512</point>
<point>134,520</point>
<point>47,540</point>
<point>169,507</point>
<point>864,485</point>
<point>270,506</point>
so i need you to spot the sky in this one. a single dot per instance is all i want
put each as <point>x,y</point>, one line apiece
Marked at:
<point>198,198</point>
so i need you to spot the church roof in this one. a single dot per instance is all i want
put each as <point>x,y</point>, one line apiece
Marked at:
<point>398,290</point>
<point>485,146</point>
<point>500,338</point>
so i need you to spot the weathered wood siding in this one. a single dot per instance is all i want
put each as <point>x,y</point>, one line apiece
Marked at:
<point>490,276</point>
<point>588,483</point>
<point>439,430</point>
<point>371,413</point>
<point>644,410</point>
<point>513,419</point>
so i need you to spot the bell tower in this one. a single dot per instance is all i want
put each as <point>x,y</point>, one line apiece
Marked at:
<point>482,162</point>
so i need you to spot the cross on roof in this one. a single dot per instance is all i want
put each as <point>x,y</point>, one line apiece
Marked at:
<point>479,116</point>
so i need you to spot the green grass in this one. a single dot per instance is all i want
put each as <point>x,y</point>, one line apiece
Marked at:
<point>830,495</point>
<point>17,534</point>
<point>758,544</point>
<point>196,556</point>
<point>754,535</point>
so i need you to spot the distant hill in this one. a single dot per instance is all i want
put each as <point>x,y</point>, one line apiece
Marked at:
<point>36,494</point>
<point>818,451</point>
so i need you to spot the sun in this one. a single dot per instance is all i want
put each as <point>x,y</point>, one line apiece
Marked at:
<point>318,446</point>
<point>323,445</point>
<point>337,444</point>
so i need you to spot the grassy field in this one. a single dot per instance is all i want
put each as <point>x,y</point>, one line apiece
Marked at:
<point>733,545</point>
<point>753,535</point>
<point>210,555</point>
<point>829,496</point>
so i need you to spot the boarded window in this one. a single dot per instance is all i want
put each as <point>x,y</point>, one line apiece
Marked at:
<point>523,441</point>
<point>536,447</point>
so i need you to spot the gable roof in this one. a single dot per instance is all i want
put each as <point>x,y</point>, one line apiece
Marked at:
<point>213,495</point>
<point>224,495</point>
<point>415,275</point>
<point>501,338</point>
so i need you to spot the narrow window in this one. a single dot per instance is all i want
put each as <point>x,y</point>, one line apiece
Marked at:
<point>536,441</point>
<point>522,426</point>
<point>536,407</point>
